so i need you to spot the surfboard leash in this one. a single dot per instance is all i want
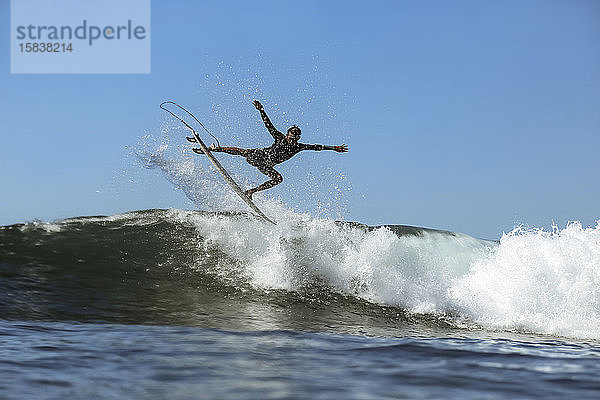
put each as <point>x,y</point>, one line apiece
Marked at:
<point>183,121</point>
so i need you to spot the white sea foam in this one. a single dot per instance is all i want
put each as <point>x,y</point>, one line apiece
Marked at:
<point>415,272</point>
<point>50,227</point>
<point>539,281</point>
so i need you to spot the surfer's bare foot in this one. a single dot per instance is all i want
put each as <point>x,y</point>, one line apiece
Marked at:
<point>214,147</point>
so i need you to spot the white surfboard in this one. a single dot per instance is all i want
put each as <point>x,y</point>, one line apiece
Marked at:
<point>236,188</point>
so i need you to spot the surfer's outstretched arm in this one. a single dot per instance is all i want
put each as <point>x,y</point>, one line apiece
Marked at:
<point>318,147</point>
<point>268,124</point>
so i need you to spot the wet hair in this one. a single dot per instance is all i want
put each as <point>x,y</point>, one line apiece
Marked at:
<point>296,131</point>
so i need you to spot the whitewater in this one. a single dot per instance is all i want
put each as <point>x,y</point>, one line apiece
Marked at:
<point>529,281</point>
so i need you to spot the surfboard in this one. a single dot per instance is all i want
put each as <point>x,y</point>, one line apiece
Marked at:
<point>233,184</point>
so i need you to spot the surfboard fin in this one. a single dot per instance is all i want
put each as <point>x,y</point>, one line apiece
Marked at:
<point>198,151</point>
<point>191,139</point>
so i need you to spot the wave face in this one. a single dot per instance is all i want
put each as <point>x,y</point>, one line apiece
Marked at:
<point>187,267</point>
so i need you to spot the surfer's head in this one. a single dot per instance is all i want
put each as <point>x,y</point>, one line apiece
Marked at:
<point>293,133</point>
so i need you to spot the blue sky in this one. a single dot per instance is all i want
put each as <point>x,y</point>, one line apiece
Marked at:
<point>466,115</point>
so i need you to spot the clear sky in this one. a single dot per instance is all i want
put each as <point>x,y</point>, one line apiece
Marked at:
<point>471,116</point>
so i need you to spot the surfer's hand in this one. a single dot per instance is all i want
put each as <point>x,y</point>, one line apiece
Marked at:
<point>257,104</point>
<point>341,149</point>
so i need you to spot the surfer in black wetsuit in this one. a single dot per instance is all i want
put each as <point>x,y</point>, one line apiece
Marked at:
<point>284,148</point>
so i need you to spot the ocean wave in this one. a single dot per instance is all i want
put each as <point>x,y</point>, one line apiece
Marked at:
<point>531,280</point>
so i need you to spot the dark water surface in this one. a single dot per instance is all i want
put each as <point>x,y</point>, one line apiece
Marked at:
<point>60,359</point>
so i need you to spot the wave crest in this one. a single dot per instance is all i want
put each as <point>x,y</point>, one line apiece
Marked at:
<point>546,282</point>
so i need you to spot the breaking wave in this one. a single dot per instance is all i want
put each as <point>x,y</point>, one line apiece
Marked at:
<point>531,280</point>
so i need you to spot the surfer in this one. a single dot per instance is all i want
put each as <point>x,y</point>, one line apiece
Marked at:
<point>283,148</point>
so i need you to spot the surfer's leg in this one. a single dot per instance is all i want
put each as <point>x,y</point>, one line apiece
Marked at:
<point>235,151</point>
<point>275,176</point>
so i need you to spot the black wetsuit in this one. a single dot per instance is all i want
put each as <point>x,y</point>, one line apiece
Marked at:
<point>281,150</point>
<point>265,158</point>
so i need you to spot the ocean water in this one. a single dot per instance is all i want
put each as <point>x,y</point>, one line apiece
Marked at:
<point>175,304</point>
